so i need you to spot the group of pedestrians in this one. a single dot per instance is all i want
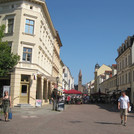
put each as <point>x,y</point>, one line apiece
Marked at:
<point>123,104</point>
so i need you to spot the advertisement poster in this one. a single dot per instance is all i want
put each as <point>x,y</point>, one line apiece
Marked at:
<point>6,88</point>
<point>38,103</point>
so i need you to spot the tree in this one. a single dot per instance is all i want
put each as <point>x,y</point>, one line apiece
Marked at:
<point>7,59</point>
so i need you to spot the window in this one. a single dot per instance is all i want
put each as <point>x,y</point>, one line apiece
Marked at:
<point>12,6</point>
<point>29,26</point>
<point>129,60</point>
<point>133,76</point>
<point>126,62</point>
<point>122,79</point>
<point>122,64</point>
<point>10,44</point>
<point>129,77</point>
<point>27,54</point>
<point>126,78</point>
<point>10,25</point>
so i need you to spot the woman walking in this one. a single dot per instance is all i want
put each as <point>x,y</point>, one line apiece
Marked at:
<point>6,104</point>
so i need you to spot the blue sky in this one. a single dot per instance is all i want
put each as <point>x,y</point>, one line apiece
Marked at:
<point>91,31</point>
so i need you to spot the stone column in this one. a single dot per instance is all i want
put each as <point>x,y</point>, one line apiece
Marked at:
<point>33,91</point>
<point>46,91</point>
<point>42,87</point>
<point>15,87</point>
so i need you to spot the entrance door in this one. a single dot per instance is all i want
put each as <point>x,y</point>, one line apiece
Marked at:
<point>24,94</point>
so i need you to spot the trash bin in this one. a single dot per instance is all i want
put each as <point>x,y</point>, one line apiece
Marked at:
<point>61,106</point>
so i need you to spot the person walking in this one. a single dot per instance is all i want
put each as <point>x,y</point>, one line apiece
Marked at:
<point>6,101</point>
<point>123,106</point>
<point>54,98</point>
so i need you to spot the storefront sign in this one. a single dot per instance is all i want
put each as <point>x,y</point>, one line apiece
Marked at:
<point>38,103</point>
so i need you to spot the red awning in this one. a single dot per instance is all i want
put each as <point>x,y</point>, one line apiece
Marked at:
<point>64,90</point>
<point>72,91</point>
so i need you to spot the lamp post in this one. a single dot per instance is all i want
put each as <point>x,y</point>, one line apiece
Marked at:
<point>57,80</point>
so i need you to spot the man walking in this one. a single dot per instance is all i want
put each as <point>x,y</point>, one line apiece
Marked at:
<point>54,98</point>
<point>123,106</point>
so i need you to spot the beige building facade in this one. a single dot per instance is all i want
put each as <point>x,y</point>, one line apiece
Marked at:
<point>109,82</point>
<point>122,79</point>
<point>99,72</point>
<point>56,72</point>
<point>125,62</point>
<point>31,34</point>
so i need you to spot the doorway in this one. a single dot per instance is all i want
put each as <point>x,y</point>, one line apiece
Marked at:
<point>24,89</point>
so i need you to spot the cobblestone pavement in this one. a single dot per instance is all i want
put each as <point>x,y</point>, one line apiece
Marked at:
<point>76,119</point>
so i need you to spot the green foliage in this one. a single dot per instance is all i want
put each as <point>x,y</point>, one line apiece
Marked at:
<point>2,29</point>
<point>7,59</point>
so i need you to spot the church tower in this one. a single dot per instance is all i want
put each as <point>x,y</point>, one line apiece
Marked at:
<point>97,66</point>
<point>80,87</point>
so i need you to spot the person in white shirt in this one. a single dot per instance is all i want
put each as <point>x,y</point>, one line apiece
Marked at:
<point>123,106</point>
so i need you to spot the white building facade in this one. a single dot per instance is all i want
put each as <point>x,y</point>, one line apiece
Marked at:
<point>31,35</point>
<point>68,80</point>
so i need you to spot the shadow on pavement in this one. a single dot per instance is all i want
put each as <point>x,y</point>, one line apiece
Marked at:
<point>2,120</point>
<point>75,122</point>
<point>108,107</point>
<point>108,123</point>
<point>131,116</point>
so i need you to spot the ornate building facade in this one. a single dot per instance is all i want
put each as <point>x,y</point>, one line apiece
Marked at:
<point>31,34</point>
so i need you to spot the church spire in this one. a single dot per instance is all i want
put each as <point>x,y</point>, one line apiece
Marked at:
<point>80,88</point>
<point>80,73</point>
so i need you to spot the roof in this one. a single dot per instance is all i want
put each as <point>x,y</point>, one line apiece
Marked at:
<point>58,39</point>
<point>108,72</point>
<point>125,46</point>
<point>114,65</point>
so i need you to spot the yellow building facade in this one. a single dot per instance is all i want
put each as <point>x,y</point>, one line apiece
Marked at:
<point>98,72</point>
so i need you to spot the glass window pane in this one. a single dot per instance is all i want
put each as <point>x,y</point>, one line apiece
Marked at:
<point>24,56</point>
<point>10,29</point>
<point>10,21</point>
<point>25,77</point>
<point>31,30</point>
<point>24,49</point>
<point>26,28</point>
<point>27,21</point>
<point>29,50</point>
<point>28,57</point>
<point>24,89</point>
<point>31,22</point>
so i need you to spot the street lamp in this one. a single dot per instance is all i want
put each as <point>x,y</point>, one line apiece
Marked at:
<point>57,80</point>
